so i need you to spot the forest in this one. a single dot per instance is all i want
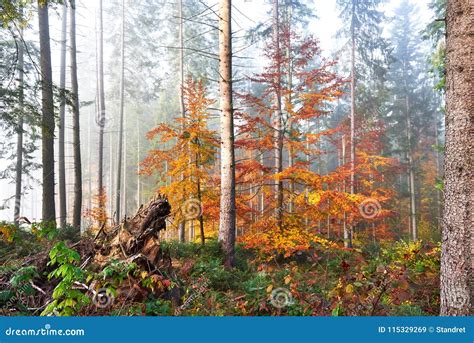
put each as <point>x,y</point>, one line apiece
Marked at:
<point>236,158</point>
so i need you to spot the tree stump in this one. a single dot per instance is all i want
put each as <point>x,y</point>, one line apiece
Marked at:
<point>136,238</point>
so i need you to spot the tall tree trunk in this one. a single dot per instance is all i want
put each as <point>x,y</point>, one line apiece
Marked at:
<point>124,171</point>
<point>19,137</point>
<point>308,162</point>
<point>47,119</point>
<point>182,224</point>
<point>291,152</point>
<point>439,205</point>
<point>349,232</point>
<point>277,120</point>
<point>457,253</point>
<point>118,185</point>
<point>261,196</point>
<point>76,132</point>
<point>62,124</point>
<point>227,201</point>
<point>199,197</point>
<point>346,231</point>
<point>411,174</point>
<point>101,117</point>
<point>138,164</point>
<point>89,159</point>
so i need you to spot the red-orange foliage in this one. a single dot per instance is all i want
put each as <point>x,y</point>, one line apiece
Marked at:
<point>187,163</point>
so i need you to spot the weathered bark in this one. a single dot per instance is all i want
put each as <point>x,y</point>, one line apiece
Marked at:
<point>133,241</point>
<point>439,206</point>
<point>227,202</point>
<point>19,137</point>
<point>76,132</point>
<point>62,124</point>
<point>137,237</point>
<point>457,254</point>
<point>118,185</point>
<point>277,119</point>
<point>47,119</point>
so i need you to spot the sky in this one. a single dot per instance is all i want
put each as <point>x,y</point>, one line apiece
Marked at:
<point>246,13</point>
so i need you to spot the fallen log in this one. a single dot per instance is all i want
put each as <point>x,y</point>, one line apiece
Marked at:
<point>136,238</point>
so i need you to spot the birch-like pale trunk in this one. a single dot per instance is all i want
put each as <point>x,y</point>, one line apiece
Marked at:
<point>227,201</point>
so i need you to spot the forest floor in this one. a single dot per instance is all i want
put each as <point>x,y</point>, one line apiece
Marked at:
<point>45,274</point>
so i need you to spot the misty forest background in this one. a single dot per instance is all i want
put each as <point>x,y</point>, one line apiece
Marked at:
<point>303,173</point>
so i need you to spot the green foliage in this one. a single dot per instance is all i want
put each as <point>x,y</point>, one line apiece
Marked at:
<point>158,307</point>
<point>66,300</point>
<point>20,287</point>
<point>407,309</point>
<point>117,271</point>
<point>45,230</point>
<point>23,275</point>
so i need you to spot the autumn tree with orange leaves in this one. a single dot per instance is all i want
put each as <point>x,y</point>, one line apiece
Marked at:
<point>191,154</point>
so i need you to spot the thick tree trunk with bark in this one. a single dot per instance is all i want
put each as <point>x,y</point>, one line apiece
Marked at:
<point>457,255</point>
<point>47,119</point>
<point>62,125</point>
<point>227,201</point>
<point>76,132</point>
